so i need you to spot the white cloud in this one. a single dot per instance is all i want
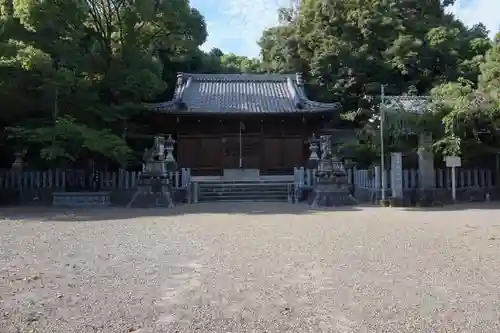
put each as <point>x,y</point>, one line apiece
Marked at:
<point>239,24</point>
<point>474,11</point>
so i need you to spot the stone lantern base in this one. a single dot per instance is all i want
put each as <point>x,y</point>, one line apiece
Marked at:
<point>332,195</point>
<point>152,191</point>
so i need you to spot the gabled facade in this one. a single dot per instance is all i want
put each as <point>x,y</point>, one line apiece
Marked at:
<point>226,121</point>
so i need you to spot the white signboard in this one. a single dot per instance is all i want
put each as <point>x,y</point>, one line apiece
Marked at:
<point>453,161</point>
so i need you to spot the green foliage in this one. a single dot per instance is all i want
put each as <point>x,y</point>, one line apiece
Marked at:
<point>347,48</point>
<point>74,74</point>
<point>489,80</point>
<point>216,61</point>
<point>233,63</point>
<point>344,46</point>
<point>86,67</point>
<point>470,117</point>
<point>67,139</point>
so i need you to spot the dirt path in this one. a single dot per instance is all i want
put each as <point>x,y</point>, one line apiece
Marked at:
<point>250,268</point>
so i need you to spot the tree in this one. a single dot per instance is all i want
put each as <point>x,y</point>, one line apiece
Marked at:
<point>347,49</point>
<point>279,49</point>
<point>87,67</point>
<point>344,46</point>
<point>489,79</point>
<point>470,115</point>
<point>232,63</point>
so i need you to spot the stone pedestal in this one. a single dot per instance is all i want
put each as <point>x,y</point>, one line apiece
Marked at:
<point>81,199</point>
<point>332,195</point>
<point>332,186</point>
<point>152,191</point>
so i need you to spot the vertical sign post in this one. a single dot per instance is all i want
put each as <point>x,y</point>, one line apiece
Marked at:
<point>453,162</point>
<point>397,175</point>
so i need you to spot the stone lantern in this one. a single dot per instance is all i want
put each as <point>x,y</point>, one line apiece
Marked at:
<point>171,164</point>
<point>332,186</point>
<point>154,185</point>
<point>313,148</point>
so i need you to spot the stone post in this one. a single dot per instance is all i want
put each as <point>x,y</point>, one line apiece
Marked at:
<point>426,162</point>
<point>426,173</point>
<point>196,191</point>
<point>397,175</point>
<point>377,185</point>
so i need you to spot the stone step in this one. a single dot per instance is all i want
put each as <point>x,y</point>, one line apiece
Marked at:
<point>244,200</point>
<point>243,191</point>
<point>244,196</point>
<point>243,183</point>
<point>243,188</point>
<point>248,194</point>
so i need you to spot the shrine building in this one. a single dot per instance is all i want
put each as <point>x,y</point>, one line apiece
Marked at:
<point>241,121</point>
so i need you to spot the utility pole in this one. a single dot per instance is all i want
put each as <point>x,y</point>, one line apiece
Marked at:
<point>382,152</point>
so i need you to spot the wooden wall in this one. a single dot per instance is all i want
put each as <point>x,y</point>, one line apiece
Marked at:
<point>209,144</point>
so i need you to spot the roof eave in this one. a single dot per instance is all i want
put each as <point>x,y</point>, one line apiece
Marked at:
<point>321,105</point>
<point>177,110</point>
<point>162,107</point>
<point>175,106</point>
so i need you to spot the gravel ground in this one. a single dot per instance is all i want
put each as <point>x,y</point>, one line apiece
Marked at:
<point>251,267</point>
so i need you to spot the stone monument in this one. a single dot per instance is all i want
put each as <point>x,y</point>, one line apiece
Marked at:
<point>332,187</point>
<point>17,168</point>
<point>154,186</point>
<point>426,172</point>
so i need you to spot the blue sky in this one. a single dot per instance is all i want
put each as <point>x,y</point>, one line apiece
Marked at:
<point>236,25</point>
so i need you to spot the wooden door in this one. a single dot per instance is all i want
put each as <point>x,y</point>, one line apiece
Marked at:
<point>271,154</point>
<point>188,152</point>
<point>292,152</point>
<point>251,151</point>
<point>210,153</point>
<point>230,152</point>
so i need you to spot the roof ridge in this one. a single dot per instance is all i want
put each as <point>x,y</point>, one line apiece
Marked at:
<point>292,88</point>
<point>238,77</point>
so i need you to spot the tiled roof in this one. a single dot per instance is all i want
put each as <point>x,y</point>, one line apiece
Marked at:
<point>410,104</point>
<point>240,93</point>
